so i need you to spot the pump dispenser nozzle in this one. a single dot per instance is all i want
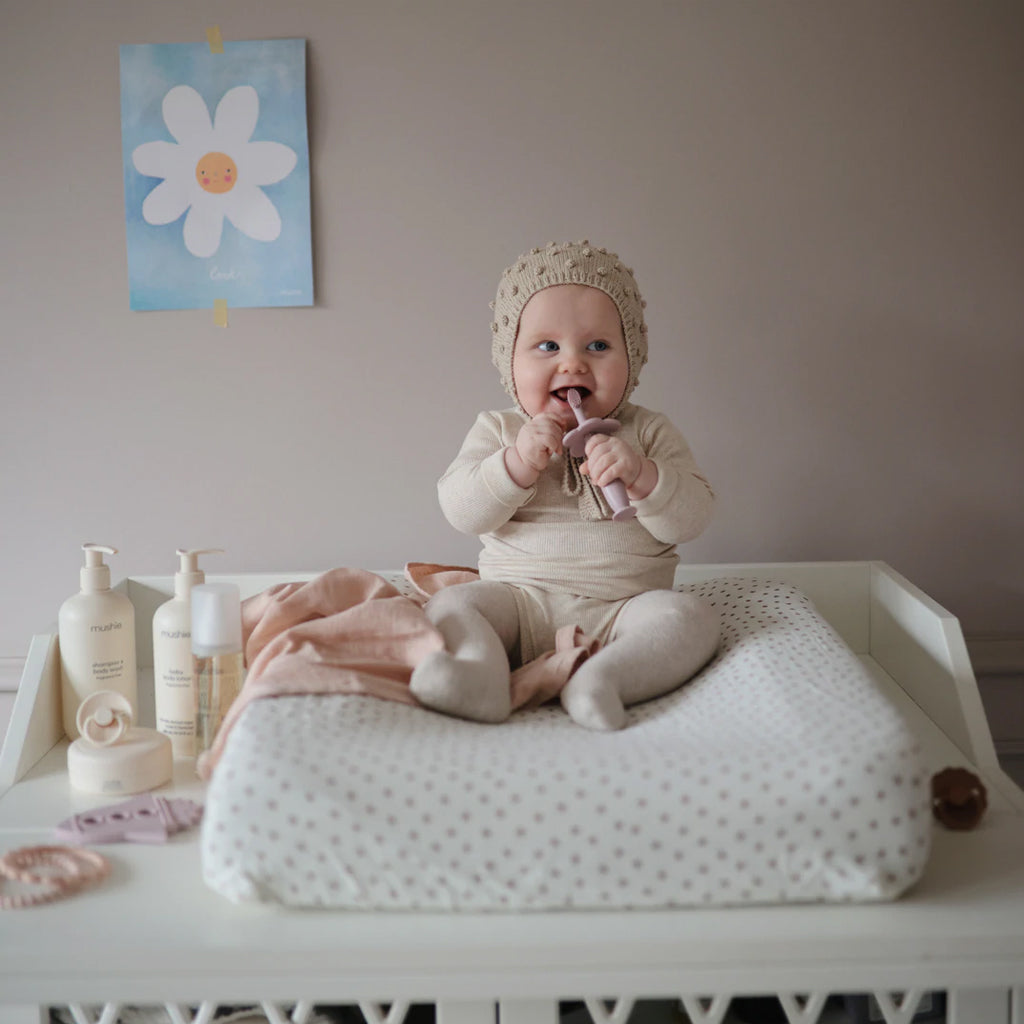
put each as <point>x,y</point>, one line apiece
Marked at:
<point>189,574</point>
<point>96,574</point>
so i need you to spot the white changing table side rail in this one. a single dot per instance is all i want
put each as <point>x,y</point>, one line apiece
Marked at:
<point>920,645</point>
<point>36,724</point>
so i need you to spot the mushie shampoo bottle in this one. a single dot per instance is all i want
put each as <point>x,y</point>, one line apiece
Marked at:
<point>96,628</point>
<point>172,656</point>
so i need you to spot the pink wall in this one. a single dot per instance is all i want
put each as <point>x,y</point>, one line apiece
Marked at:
<point>823,202</point>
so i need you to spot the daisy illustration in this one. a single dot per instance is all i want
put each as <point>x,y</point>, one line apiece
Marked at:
<point>213,171</point>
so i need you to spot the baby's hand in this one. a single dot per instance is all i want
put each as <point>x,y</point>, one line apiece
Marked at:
<point>537,441</point>
<point>611,458</point>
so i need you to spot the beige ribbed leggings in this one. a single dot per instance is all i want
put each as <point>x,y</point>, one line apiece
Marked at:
<point>658,640</point>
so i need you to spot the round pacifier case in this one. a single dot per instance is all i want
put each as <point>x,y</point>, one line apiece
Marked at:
<point>113,756</point>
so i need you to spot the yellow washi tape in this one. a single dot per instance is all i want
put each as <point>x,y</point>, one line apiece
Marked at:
<point>214,39</point>
<point>220,312</point>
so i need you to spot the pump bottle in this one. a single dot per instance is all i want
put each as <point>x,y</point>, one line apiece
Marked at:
<point>218,664</point>
<point>172,655</point>
<point>96,628</point>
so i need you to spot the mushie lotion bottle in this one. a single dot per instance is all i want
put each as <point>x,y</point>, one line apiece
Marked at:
<point>172,656</point>
<point>218,667</point>
<point>96,628</point>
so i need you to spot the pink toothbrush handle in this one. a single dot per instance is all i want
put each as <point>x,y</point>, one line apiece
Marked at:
<point>576,442</point>
<point>618,501</point>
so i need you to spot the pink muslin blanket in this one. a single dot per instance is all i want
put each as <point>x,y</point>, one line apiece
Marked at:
<point>349,631</point>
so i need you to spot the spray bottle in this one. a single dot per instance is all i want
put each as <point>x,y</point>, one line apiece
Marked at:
<point>172,655</point>
<point>218,664</point>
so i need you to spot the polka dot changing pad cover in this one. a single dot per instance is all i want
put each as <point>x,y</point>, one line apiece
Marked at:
<point>781,773</point>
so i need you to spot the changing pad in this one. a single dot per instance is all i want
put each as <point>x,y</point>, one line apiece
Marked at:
<point>781,773</point>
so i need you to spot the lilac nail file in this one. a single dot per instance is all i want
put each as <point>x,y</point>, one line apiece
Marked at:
<point>143,819</point>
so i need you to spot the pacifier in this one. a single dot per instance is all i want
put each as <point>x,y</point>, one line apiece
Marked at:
<point>104,717</point>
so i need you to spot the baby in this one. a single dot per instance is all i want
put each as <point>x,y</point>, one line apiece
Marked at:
<point>569,316</point>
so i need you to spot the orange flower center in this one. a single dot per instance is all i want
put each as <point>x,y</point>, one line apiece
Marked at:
<point>217,173</point>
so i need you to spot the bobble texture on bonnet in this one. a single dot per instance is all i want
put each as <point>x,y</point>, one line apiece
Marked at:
<point>567,263</point>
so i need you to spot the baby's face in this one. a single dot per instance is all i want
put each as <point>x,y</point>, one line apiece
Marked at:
<point>570,336</point>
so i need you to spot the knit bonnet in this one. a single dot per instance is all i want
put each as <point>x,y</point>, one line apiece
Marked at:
<point>567,263</point>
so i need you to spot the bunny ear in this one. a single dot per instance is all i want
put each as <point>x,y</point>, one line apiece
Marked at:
<point>237,114</point>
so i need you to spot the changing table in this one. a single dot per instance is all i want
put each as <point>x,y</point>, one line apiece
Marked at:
<point>153,933</point>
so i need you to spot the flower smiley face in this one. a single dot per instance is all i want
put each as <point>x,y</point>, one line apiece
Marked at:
<point>213,170</point>
<point>217,173</point>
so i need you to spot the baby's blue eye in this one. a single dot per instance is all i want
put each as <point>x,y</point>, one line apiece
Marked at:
<point>548,346</point>
<point>598,346</point>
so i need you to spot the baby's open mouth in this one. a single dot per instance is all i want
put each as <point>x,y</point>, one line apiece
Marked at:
<point>562,394</point>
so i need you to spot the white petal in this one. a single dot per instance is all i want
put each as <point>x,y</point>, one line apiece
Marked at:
<point>263,163</point>
<point>237,114</point>
<point>158,159</point>
<point>254,214</point>
<point>202,229</point>
<point>166,203</point>
<point>185,113</point>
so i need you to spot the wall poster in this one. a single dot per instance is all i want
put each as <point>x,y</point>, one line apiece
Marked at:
<point>216,174</point>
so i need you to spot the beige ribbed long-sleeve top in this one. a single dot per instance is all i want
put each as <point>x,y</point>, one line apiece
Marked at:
<point>536,536</point>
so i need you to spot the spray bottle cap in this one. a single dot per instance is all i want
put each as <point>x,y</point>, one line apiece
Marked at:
<point>216,619</point>
<point>95,575</point>
<point>189,573</point>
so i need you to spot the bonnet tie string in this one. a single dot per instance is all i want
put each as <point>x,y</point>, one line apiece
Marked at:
<point>591,501</point>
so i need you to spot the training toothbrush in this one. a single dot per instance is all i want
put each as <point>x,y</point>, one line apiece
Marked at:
<point>576,443</point>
